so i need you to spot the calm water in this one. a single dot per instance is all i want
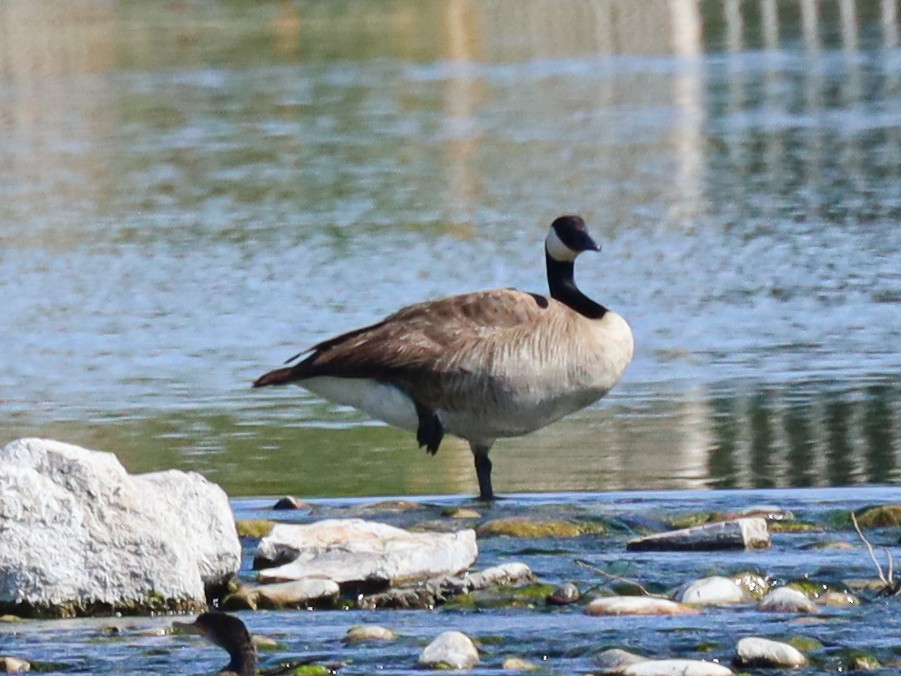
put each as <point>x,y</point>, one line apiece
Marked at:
<point>189,193</point>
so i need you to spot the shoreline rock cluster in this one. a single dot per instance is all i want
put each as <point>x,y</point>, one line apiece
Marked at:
<point>62,508</point>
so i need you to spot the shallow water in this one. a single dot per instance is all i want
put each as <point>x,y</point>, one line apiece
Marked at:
<point>191,192</point>
<point>563,640</point>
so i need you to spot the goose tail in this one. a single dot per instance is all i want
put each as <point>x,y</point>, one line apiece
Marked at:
<point>280,376</point>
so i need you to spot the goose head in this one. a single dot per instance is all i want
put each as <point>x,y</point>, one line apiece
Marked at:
<point>567,238</point>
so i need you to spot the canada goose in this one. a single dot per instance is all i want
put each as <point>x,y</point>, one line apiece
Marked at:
<point>481,365</point>
<point>230,634</point>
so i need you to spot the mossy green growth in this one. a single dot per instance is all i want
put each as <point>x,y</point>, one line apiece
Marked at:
<point>693,519</point>
<point>754,584</point>
<point>804,643</point>
<point>792,527</point>
<point>254,528</point>
<point>881,516</point>
<point>858,660</point>
<point>311,670</point>
<point>520,527</point>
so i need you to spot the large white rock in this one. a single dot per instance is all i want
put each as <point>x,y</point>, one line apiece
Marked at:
<point>354,550</point>
<point>81,535</point>
<point>786,600</point>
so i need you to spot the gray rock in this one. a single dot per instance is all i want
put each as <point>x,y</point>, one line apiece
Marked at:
<point>749,533</point>
<point>714,590</point>
<point>564,595</point>
<point>435,591</point>
<point>761,652</point>
<point>353,550</point>
<point>82,536</point>
<point>786,600</point>
<point>450,650</point>
<point>614,660</point>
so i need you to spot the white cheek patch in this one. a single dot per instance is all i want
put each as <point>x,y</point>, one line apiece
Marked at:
<point>557,249</point>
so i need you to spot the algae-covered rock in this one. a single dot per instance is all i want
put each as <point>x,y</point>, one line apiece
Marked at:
<point>521,527</point>
<point>755,585</point>
<point>880,516</point>
<point>518,664</point>
<point>564,595</point>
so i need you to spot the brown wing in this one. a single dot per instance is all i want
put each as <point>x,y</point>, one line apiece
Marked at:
<point>425,348</point>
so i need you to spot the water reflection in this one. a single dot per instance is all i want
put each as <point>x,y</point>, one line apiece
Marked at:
<point>190,191</point>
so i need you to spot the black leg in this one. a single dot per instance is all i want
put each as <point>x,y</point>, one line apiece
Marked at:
<point>430,430</point>
<point>483,471</point>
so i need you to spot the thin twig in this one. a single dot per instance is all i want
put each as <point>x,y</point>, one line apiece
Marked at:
<point>618,578</point>
<point>889,585</point>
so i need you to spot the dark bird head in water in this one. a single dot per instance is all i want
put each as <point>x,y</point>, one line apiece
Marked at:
<point>230,634</point>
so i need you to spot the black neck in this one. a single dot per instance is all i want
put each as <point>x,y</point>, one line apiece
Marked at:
<point>244,661</point>
<point>563,288</point>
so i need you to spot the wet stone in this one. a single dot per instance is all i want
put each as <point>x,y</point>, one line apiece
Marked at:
<point>714,590</point>
<point>637,605</point>
<point>518,664</point>
<point>564,595</point>
<point>369,632</point>
<point>786,600</point>
<point>450,650</point>
<point>761,652</point>
<point>288,502</point>
<point>676,667</point>
<point>14,665</point>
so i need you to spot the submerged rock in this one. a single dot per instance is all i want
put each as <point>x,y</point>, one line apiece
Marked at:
<point>750,533</point>
<point>522,527</point>
<point>714,590</point>
<point>450,650</point>
<point>637,605</point>
<point>614,660</point>
<point>518,664</point>
<point>881,516</point>
<point>353,550</point>
<point>81,536</point>
<point>762,652</point>
<point>786,600</point>
<point>676,667</point>
<point>369,632</point>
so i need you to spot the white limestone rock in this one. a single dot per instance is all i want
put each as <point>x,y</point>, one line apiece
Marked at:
<point>714,590</point>
<point>82,536</point>
<point>354,550</point>
<point>762,652</point>
<point>450,650</point>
